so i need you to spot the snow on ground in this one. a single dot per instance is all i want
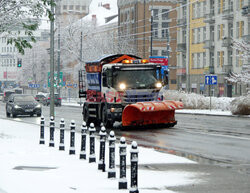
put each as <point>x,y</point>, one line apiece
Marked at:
<point>67,173</point>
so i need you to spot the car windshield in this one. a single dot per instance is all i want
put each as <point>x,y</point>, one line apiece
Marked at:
<point>136,78</point>
<point>24,98</point>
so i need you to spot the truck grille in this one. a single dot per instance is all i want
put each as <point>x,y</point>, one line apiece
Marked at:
<point>138,98</point>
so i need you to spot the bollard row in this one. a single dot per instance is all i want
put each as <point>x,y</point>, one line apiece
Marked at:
<point>122,182</point>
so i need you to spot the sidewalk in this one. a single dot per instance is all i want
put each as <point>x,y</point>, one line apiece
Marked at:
<point>27,167</point>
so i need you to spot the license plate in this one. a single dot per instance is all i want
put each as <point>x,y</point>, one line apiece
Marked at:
<point>28,110</point>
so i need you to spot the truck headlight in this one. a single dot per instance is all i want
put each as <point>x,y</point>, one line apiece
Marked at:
<point>158,85</point>
<point>122,86</point>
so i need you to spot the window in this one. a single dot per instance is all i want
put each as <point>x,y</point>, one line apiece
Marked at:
<point>194,11</point>
<point>78,7</point>
<point>84,8</point>
<point>164,52</point>
<point>198,35</point>
<point>218,59</point>
<point>155,14</point>
<point>65,7</point>
<point>237,29</point>
<point>193,36</point>
<point>219,6</point>
<point>230,57</point>
<point>198,60</point>
<point>164,31</point>
<point>155,30</point>
<point>165,13</point>
<point>222,31</point>
<point>154,52</point>
<point>218,32</point>
<point>71,7</point>
<point>204,33</point>
<point>242,28</point>
<point>204,59</point>
<point>212,33</point>
<point>193,59</point>
<point>230,25</point>
<point>212,58</point>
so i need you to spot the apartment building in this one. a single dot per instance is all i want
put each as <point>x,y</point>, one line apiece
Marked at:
<point>151,26</point>
<point>68,10</point>
<point>204,44</point>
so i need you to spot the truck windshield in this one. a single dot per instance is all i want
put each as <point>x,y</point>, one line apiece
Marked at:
<point>135,78</point>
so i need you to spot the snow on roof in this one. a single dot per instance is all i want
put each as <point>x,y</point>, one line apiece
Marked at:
<point>98,13</point>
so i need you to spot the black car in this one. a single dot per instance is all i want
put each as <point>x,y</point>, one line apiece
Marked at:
<point>57,101</point>
<point>22,104</point>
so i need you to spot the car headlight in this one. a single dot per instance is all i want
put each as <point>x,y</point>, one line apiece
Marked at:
<point>158,85</point>
<point>17,107</point>
<point>38,106</point>
<point>122,86</point>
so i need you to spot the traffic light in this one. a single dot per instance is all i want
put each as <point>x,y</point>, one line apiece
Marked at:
<point>19,63</point>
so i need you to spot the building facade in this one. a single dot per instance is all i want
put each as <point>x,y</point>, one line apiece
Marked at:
<point>151,26</point>
<point>206,31</point>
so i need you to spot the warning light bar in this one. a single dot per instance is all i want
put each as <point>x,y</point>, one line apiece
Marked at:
<point>143,61</point>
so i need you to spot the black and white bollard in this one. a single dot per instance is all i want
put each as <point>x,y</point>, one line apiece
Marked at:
<point>42,141</point>
<point>52,130</point>
<point>101,164</point>
<point>111,170</point>
<point>123,153</point>
<point>72,137</point>
<point>83,141</point>
<point>62,128</point>
<point>134,168</point>
<point>92,130</point>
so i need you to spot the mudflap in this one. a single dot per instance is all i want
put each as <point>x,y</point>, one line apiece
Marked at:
<point>151,113</point>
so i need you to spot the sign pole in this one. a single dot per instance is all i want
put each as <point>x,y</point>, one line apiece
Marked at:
<point>210,97</point>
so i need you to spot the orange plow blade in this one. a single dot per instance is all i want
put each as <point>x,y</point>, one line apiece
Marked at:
<point>150,113</point>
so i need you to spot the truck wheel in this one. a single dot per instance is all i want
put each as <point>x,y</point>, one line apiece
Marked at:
<point>86,117</point>
<point>107,123</point>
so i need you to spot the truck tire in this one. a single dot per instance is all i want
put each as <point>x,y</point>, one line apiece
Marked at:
<point>86,117</point>
<point>107,123</point>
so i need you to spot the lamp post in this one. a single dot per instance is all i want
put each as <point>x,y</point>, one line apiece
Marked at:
<point>52,97</point>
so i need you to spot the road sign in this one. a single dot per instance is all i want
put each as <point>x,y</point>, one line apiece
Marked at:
<point>34,85</point>
<point>55,79</point>
<point>210,79</point>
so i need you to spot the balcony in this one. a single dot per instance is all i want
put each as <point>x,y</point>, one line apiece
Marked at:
<point>182,1</point>
<point>181,47</point>
<point>209,17</point>
<point>209,44</point>
<point>227,68</point>
<point>228,14</point>
<point>181,22</point>
<point>246,38</point>
<point>226,42</point>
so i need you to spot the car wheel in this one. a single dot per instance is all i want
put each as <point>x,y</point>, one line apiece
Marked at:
<point>39,115</point>
<point>14,115</point>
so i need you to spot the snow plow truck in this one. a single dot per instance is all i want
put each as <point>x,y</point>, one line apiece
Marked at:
<point>125,88</point>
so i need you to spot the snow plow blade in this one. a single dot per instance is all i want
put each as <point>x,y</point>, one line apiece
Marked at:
<point>150,113</point>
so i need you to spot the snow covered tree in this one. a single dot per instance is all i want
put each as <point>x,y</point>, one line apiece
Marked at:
<point>243,49</point>
<point>35,65</point>
<point>19,18</point>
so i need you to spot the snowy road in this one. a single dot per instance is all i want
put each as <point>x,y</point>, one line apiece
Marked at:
<point>216,143</point>
<point>217,139</point>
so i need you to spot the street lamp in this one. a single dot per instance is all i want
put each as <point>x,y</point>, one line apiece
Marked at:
<point>52,97</point>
